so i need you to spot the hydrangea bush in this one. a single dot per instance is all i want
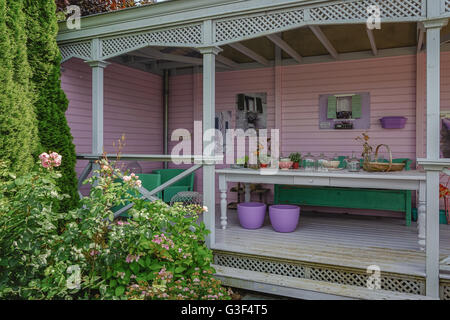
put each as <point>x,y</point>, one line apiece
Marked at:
<point>159,253</point>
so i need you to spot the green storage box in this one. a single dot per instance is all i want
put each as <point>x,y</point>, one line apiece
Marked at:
<point>442,216</point>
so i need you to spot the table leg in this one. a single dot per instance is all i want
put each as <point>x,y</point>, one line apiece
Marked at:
<point>247,192</point>
<point>223,201</point>
<point>421,215</point>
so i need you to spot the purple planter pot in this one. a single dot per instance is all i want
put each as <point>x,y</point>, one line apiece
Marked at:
<point>393,122</point>
<point>284,218</point>
<point>251,214</point>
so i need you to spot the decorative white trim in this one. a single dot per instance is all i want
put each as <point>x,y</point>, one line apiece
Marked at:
<point>82,50</point>
<point>356,11</point>
<point>97,64</point>
<point>233,29</point>
<point>184,36</point>
<point>251,26</point>
<point>434,165</point>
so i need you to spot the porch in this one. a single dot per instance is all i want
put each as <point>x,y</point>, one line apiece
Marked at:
<point>389,64</point>
<point>332,248</point>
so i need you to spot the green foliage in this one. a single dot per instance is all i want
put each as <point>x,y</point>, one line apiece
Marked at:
<point>98,6</point>
<point>18,129</point>
<point>28,230</point>
<point>295,157</point>
<point>159,254</point>
<point>51,103</point>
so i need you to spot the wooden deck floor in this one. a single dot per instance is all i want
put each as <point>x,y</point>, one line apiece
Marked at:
<point>335,239</point>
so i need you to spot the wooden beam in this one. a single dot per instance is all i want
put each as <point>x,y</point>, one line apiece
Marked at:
<point>285,47</point>
<point>421,37</point>
<point>155,54</point>
<point>173,65</point>
<point>228,62</point>
<point>373,44</point>
<point>250,53</point>
<point>325,42</point>
<point>224,61</point>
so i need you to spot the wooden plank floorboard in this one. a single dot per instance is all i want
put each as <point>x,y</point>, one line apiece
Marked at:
<point>335,239</point>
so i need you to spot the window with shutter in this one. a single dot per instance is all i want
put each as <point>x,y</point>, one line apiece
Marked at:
<point>332,107</point>
<point>356,106</point>
<point>344,111</point>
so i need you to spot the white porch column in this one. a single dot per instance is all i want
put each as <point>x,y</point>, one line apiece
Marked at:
<point>97,66</point>
<point>209,100</point>
<point>433,27</point>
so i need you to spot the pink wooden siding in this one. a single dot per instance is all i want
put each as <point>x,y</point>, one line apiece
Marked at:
<point>445,81</point>
<point>133,103</point>
<point>186,91</point>
<point>445,92</point>
<point>390,81</point>
<point>391,84</point>
<point>133,106</point>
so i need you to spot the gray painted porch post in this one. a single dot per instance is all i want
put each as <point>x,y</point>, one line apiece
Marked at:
<point>433,27</point>
<point>209,100</point>
<point>98,67</point>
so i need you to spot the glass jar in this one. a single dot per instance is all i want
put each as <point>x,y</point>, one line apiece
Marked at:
<point>353,164</point>
<point>322,163</point>
<point>309,162</point>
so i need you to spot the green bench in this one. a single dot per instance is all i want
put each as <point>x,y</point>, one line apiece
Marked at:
<point>351,198</point>
<point>185,184</point>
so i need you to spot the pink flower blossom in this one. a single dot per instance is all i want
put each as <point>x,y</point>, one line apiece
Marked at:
<point>130,258</point>
<point>93,252</point>
<point>44,156</point>
<point>50,160</point>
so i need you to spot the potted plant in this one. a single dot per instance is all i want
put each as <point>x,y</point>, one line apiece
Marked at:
<point>285,163</point>
<point>243,162</point>
<point>264,161</point>
<point>295,158</point>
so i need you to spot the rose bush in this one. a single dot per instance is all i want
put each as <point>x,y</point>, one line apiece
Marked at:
<point>159,253</point>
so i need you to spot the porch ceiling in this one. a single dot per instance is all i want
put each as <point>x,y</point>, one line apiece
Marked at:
<point>344,38</point>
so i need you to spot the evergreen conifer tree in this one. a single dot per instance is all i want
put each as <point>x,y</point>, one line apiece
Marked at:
<point>51,102</point>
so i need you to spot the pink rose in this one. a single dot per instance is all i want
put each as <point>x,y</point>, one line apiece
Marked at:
<point>44,156</point>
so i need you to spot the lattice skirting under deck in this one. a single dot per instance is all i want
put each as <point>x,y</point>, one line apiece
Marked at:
<point>320,272</point>
<point>445,289</point>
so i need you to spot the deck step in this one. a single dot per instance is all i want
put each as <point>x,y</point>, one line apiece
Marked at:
<point>303,288</point>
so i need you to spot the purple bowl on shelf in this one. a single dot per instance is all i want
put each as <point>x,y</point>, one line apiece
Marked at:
<point>251,214</point>
<point>393,122</point>
<point>284,218</point>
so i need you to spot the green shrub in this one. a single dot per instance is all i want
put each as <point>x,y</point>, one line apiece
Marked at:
<point>51,103</point>
<point>28,230</point>
<point>18,128</point>
<point>158,254</point>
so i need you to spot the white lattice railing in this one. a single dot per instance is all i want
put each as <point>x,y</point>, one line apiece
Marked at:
<point>238,28</point>
<point>80,50</point>
<point>447,6</point>
<point>187,36</point>
<point>235,29</point>
<point>251,26</point>
<point>358,10</point>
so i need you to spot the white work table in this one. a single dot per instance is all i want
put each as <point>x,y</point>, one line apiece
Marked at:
<point>403,180</point>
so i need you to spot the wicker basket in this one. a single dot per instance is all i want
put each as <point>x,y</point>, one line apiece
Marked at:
<point>376,166</point>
